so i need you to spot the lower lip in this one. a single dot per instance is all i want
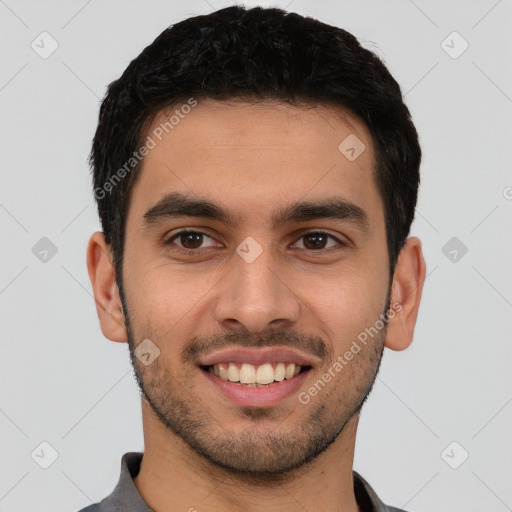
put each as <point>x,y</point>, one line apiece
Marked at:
<point>249,396</point>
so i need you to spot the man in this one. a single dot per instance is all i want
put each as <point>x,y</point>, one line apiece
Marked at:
<point>256,174</point>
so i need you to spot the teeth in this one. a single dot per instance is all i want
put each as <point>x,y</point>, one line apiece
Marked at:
<point>280,372</point>
<point>223,370</point>
<point>233,373</point>
<point>265,374</point>
<point>290,370</point>
<point>248,374</point>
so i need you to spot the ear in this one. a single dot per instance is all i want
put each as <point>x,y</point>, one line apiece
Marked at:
<point>406,290</point>
<point>106,293</point>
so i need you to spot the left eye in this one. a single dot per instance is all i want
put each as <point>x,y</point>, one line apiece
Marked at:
<point>317,240</point>
<point>192,240</point>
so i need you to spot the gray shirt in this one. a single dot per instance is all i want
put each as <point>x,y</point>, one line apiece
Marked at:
<point>126,498</point>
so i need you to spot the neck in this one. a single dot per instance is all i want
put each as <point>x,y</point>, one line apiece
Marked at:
<point>174,477</point>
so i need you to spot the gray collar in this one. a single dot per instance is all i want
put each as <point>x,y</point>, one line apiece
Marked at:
<point>126,497</point>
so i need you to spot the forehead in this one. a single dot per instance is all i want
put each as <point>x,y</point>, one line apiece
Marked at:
<point>249,156</point>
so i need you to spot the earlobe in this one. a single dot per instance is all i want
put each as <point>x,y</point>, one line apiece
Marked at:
<point>406,293</point>
<point>106,293</point>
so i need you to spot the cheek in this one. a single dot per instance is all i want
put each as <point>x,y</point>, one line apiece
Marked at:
<point>345,306</point>
<point>163,300</point>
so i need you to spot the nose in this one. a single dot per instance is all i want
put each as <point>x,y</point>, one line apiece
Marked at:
<point>256,294</point>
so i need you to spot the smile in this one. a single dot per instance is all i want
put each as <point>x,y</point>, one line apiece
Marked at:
<point>248,374</point>
<point>256,377</point>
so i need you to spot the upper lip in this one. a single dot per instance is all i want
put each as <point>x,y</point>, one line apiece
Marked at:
<point>257,356</point>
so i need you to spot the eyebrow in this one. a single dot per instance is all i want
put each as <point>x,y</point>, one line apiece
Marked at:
<point>177,204</point>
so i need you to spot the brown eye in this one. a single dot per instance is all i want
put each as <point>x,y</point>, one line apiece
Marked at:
<point>188,241</point>
<point>318,240</point>
<point>315,241</point>
<point>191,240</point>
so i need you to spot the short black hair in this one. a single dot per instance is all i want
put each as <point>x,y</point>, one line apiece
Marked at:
<point>259,54</point>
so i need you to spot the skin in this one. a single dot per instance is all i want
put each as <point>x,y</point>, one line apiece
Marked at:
<point>255,158</point>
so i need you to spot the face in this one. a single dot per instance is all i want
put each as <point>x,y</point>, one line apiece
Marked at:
<point>255,256</point>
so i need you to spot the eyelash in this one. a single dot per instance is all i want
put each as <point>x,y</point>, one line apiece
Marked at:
<point>170,242</point>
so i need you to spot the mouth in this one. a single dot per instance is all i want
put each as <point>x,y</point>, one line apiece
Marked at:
<point>250,375</point>
<point>256,377</point>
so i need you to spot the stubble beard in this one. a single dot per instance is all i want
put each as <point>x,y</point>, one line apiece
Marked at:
<point>258,455</point>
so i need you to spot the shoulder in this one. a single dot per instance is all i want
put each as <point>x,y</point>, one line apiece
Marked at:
<point>95,507</point>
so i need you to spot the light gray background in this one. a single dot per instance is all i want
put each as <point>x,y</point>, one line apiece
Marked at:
<point>64,383</point>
